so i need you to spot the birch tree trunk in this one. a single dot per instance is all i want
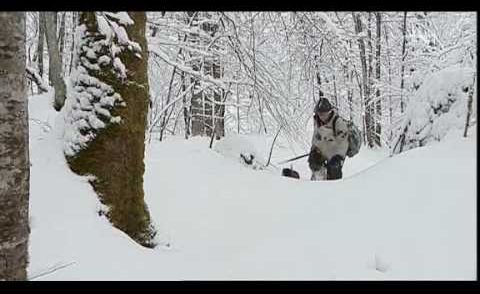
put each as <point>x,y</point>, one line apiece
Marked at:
<point>14,153</point>
<point>55,61</point>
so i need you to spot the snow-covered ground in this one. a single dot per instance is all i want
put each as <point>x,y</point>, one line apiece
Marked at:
<point>412,216</point>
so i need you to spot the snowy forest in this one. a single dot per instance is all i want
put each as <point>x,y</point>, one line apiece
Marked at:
<point>254,145</point>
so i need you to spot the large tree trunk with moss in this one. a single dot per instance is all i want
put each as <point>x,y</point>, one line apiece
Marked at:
<point>14,155</point>
<point>111,120</point>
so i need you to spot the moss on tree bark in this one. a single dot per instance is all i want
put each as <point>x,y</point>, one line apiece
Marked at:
<point>116,156</point>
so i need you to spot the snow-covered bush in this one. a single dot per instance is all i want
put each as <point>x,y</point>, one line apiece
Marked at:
<point>247,149</point>
<point>438,106</point>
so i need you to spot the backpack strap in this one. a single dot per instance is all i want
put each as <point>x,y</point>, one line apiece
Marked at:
<point>334,122</point>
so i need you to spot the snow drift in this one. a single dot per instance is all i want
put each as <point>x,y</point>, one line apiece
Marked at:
<point>411,216</point>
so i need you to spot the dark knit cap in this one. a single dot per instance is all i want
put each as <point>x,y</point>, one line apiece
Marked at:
<point>323,105</point>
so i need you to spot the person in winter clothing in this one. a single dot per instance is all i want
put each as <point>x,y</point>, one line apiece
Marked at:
<point>329,142</point>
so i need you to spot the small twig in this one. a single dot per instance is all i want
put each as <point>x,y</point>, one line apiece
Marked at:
<point>293,159</point>
<point>54,269</point>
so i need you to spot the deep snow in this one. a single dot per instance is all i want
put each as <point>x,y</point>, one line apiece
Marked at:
<point>412,216</point>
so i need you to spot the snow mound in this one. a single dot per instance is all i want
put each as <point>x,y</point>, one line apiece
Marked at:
<point>244,148</point>
<point>438,106</point>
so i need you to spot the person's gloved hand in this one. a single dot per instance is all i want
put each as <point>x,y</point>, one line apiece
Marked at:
<point>315,159</point>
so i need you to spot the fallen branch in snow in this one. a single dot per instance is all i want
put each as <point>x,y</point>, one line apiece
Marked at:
<point>51,270</point>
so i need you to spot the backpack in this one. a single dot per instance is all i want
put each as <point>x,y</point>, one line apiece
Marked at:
<point>355,138</point>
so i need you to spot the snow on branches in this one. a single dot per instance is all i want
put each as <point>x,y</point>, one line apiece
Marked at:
<point>91,96</point>
<point>438,106</point>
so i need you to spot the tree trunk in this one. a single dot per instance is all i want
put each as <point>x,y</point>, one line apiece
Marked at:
<point>349,79</point>
<point>365,87</point>
<point>196,104</point>
<point>350,95</point>
<point>390,107</point>
<point>370,52</point>
<point>164,114</point>
<point>219,105</point>
<point>14,153</point>
<point>255,92</point>
<point>115,156</point>
<point>74,26</point>
<point>196,108</point>
<point>370,109</point>
<point>61,39</point>
<point>469,107</point>
<point>41,37</point>
<point>378,103</point>
<point>335,91</point>
<point>205,102</point>
<point>186,117</point>
<point>238,110</point>
<point>404,43</point>
<point>55,61</point>
<point>318,59</point>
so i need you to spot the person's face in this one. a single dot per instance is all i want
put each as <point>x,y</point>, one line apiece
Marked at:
<point>324,115</point>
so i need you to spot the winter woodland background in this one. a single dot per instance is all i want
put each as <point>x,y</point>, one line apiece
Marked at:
<point>229,80</point>
<point>258,71</point>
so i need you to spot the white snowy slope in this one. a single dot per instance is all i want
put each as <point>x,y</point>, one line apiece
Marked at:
<point>412,216</point>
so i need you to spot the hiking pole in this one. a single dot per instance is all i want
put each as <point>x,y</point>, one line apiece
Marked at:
<point>293,159</point>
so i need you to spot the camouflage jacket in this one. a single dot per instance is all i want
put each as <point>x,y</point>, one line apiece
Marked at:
<point>326,141</point>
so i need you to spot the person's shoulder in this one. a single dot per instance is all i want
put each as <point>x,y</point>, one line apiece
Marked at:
<point>341,120</point>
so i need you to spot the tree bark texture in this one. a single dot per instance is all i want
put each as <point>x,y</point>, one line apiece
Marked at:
<point>366,88</point>
<point>116,155</point>
<point>14,153</point>
<point>54,61</point>
<point>378,102</point>
<point>41,37</point>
